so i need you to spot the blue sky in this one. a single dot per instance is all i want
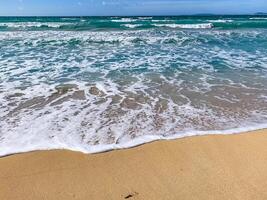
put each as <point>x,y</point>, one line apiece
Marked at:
<point>129,7</point>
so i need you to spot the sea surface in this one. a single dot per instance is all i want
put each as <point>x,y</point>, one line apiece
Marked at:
<point>93,84</point>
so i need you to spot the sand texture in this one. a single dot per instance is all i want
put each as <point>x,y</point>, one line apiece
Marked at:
<point>207,167</point>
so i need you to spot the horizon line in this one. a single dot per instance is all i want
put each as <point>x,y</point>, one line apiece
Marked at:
<point>199,15</point>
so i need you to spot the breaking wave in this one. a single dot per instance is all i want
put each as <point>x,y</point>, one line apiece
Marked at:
<point>186,26</point>
<point>129,82</point>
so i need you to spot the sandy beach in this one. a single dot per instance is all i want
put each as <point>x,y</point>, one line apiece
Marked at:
<point>205,167</point>
<point>96,83</point>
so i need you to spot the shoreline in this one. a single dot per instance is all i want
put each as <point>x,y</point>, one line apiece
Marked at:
<point>202,167</point>
<point>139,141</point>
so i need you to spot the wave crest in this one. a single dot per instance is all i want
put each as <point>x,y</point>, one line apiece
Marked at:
<point>187,26</point>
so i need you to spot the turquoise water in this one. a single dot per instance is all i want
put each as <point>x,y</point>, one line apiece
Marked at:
<point>126,23</point>
<point>94,84</point>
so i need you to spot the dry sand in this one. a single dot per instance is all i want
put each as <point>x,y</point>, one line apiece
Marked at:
<point>207,167</point>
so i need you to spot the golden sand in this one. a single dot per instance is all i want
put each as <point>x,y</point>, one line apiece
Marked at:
<point>217,167</point>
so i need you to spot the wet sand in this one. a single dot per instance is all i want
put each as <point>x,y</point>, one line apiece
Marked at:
<point>205,167</point>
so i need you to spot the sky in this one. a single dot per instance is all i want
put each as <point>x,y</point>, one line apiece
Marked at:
<point>128,7</point>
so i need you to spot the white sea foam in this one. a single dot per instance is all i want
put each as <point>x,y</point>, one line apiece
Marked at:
<point>69,18</point>
<point>30,144</point>
<point>98,91</point>
<point>187,26</point>
<point>145,18</point>
<point>33,24</point>
<point>124,20</point>
<point>258,18</point>
<point>221,21</point>
<point>132,25</point>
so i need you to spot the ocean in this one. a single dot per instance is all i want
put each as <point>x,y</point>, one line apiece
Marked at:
<point>94,84</point>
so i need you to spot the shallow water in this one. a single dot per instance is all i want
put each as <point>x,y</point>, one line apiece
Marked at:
<point>113,86</point>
